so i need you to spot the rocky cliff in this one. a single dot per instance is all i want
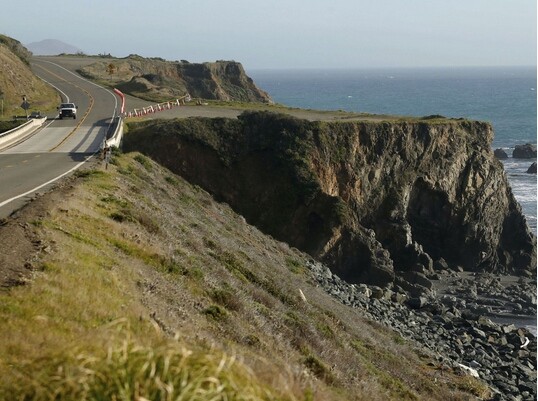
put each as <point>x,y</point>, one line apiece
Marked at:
<point>376,201</point>
<point>156,79</point>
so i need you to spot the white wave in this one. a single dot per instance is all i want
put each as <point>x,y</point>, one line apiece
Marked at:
<point>525,198</point>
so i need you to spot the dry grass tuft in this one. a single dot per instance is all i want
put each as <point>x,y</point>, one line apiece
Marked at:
<point>127,370</point>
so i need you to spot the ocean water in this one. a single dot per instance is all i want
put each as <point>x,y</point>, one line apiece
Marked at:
<point>505,97</point>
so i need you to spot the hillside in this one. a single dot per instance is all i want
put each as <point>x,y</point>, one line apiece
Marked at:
<point>138,283</point>
<point>17,79</point>
<point>159,80</point>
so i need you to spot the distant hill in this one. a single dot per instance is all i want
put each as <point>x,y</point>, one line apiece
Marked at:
<point>51,47</point>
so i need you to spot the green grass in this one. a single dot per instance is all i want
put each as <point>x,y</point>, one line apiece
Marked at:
<point>295,266</point>
<point>144,161</point>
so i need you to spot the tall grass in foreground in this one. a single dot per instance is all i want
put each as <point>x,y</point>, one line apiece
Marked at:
<point>127,371</point>
<point>78,332</point>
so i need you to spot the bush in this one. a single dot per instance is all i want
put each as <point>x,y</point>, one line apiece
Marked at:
<point>8,125</point>
<point>215,312</point>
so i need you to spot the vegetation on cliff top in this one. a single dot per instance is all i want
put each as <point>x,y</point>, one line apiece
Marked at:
<point>158,80</point>
<point>146,288</point>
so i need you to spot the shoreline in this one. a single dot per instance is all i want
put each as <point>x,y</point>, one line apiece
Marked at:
<point>456,337</point>
<point>524,322</point>
<point>505,299</point>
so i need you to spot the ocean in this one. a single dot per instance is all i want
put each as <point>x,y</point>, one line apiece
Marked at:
<point>505,97</point>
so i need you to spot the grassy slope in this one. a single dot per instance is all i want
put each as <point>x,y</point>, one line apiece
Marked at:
<point>16,79</point>
<point>149,289</point>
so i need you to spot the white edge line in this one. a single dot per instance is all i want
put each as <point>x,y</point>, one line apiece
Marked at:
<point>45,184</point>
<point>58,89</point>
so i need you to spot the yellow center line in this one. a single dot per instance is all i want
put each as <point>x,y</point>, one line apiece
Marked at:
<point>83,117</point>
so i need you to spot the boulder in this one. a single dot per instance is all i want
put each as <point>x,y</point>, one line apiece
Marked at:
<point>413,289</point>
<point>377,292</point>
<point>398,297</point>
<point>417,278</point>
<point>532,169</point>
<point>364,290</point>
<point>500,154</point>
<point>440,265</point>
<point>417,302</point>
<point>527,151</point>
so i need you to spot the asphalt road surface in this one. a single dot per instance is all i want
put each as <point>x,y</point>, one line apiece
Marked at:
<point>60,146</point>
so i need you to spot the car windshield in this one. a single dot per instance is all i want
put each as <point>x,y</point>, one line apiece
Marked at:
<point>67,105</point>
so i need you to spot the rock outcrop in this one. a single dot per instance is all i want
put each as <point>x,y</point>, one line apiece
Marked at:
<point>527,151</point>
<point>500,154</point>
<point>156,79</point>
<point>532,169</point>
<point>373,200</point>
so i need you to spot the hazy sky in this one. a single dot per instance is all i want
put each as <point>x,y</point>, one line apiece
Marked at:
<point>288,33</point>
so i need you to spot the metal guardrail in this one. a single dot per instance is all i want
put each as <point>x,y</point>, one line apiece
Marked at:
<point>22,131</point>
<point>117,136</point>
<point>16,134</point>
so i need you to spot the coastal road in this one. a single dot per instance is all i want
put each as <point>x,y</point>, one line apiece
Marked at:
<point>60,146</point>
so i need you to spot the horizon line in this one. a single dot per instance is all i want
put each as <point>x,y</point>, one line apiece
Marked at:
<point>399,67</point>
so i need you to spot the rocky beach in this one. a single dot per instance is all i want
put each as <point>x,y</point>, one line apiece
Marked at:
<point>455,321</point>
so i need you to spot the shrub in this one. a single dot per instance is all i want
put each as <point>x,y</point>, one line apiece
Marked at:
<point>215,312</point>
<point>144,161</point>
<point>226,298</point>
<point>319,369</point>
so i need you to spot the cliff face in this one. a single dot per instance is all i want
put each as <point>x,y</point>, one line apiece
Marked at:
<point>373,200</point>
<point>160,80</point>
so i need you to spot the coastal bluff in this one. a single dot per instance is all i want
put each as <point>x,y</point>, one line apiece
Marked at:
<point>156,79</point>
<point>380,202</point>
